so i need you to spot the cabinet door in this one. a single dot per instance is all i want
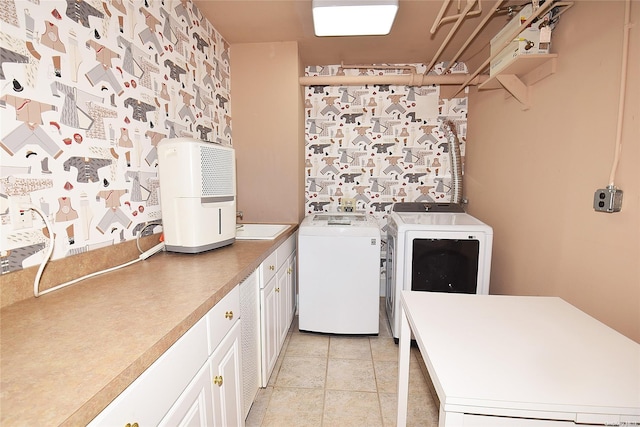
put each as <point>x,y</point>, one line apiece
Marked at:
<point>291,273</point>
<point>282,295</point>
<point>269,329</point>
<point>194,408</point>
<point>226,382</point>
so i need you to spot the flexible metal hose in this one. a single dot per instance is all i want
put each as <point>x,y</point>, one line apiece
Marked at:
<point>456,161</point>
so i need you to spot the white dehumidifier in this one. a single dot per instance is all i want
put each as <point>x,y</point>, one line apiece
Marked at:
<point>197,194</point>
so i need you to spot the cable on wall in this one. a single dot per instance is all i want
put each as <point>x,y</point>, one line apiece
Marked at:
<point>36,283</point>
<point>623,85</point>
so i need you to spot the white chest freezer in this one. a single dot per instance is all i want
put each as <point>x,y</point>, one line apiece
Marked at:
<point>339,273</point>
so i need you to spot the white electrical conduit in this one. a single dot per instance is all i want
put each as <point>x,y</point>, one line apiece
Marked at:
<point>36,283</point>
<point>473,35</point>
<point>623,83</point>
<point>400,80</point>
<point>453,30</point>
<point>541,10</point>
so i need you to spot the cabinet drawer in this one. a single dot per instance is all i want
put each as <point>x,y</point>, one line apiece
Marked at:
<point>222,317</point>
<point>268,268</point>
<point>286,249</point>
<point>153,393</point>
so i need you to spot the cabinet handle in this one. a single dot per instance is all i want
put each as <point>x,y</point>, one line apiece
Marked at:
<point>277,289</point>
<point>272,267</point>
<point>228,315</point>
<point>289,270</point>
<point>131,425</point>
<point>217,380</point>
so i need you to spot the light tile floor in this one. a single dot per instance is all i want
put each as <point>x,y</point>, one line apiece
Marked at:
<point>330,380</point>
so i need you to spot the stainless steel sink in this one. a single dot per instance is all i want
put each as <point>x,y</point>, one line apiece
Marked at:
<point>260,231</point>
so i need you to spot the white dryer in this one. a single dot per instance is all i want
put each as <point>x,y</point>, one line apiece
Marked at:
<point>434,247</point>
<point>339,273</point>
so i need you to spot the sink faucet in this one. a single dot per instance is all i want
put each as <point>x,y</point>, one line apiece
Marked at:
<point>240,215</point>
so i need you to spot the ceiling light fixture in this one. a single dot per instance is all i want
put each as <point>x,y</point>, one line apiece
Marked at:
<point>353,17</point>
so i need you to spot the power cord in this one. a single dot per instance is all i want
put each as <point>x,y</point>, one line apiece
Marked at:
<point>36,283</point>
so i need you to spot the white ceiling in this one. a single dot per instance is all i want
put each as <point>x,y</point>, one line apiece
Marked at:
<point>410,40</point>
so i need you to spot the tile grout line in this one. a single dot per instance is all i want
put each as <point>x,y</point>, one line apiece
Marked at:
<point>375,378</point>
<point>326,378</point>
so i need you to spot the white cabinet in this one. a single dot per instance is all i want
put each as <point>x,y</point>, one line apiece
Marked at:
<point>195,382</point>
<point>214,397</point>
<point>286,290</point>
<point>277,303</point>
<point>226,368</point>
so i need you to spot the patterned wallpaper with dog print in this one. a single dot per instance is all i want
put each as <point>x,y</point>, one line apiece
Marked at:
<point>379,144</point>
<point>87,90</point>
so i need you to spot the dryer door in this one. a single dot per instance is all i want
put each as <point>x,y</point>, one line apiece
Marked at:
<point>445,265</point>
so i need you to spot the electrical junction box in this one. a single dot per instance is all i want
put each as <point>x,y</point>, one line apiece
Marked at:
<point>21,216</point>
<point>535,39</point>
<point>607,199</point>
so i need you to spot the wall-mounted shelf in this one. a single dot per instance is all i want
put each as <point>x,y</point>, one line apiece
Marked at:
<point>518,77</point>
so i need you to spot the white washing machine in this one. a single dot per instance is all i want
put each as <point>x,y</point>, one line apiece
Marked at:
<point>339,273</point>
